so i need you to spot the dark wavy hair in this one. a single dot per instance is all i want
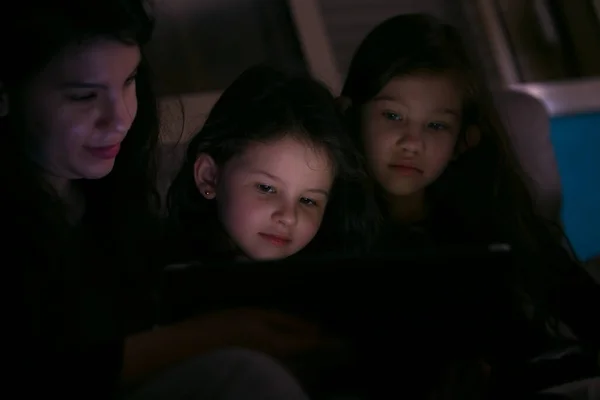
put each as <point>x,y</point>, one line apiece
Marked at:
<point>264,104</point>
<point>120,207</point>
<point>486,187</point>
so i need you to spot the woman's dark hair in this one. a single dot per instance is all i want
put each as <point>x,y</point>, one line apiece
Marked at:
<point>485,188</point>
<point>261,105</point>
<point>118,207</point>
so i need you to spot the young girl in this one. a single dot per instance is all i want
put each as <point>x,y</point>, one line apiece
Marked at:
<point>271,173</point>
<point>444,167</point>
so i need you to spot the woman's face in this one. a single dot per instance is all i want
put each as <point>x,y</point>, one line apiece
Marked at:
<point>79,108</point>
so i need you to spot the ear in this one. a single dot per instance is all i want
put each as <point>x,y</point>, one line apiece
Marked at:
<point>471,139</point>
<point>206,173</point>
<point>3,101</point>
<point>343,103</point>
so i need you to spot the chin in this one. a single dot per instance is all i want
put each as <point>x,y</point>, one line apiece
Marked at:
<point>98,171</point>
<point>267,257</point>
<point>403,191</point>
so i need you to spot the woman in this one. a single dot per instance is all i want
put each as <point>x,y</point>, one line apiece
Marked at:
<point>79,128</point>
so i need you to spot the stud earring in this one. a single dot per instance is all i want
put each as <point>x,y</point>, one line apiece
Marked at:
<point>207,192</point>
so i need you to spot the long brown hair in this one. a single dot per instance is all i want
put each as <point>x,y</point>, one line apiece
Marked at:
<point>119,207</point>
<point>263,104</point>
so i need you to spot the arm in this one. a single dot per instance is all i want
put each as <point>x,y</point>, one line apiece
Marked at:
<point>152,351</point>
<point>270,332</point>
<point>575,298</point>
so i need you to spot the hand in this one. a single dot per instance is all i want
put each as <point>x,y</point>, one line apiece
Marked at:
<point>272,332</point>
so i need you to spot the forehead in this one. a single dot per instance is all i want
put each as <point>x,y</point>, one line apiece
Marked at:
<point>99,59</point>
<point>434,90</point>
<point>288,154</point>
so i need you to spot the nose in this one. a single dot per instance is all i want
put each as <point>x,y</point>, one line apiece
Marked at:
<point>410,139</point>
<point>119,113</point>
<point>285,213</point>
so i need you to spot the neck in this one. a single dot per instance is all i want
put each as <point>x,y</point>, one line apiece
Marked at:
<point>69,195</point>
<point>62,187</point>
<point>407,209</point>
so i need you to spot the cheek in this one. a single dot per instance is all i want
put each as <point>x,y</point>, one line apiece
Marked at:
<point>377,145</point>
<point>60,130</point>
<point>441,154</point>
<point>238,210</point>
<point>78,128</point>
<point>374,138</point>
<point>311,222</point>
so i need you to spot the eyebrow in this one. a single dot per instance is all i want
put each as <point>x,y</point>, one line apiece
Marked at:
<point>261,172</point>
<point>447,111</point>
<point>386,97</point>
<point>320,191</point>
<point>92,85</point>
<point>313,190</point>
<point>83,85</point>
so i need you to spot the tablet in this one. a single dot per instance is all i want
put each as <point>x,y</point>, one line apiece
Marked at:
<point>457,291</point>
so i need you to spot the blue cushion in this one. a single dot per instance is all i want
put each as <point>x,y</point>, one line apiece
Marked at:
<point>576,141</point>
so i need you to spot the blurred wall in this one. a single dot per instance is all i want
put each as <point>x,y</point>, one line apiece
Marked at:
<point>203,45</point>
<point>199,47</point>
<point>349,21</point>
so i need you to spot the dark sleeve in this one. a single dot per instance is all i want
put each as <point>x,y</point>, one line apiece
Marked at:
<point>90,373</point>
<point>140,288</point>
<point>45,350</point>
<point>576,299</point>
<point>576,295</point>
<point>45,355</point>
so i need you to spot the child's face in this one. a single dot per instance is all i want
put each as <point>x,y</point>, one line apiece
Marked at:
<point>272,198</point>
<point>410,130</point>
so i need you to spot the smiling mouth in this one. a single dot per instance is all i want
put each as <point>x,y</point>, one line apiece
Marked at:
<point>106,152</point>
<point>276,240</point>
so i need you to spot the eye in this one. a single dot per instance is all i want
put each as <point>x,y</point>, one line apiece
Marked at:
<point>265,188</point>
<point>82,97</point>
<point>308,202</point>
<point>438,126</point>
<point>131,79</point>
<point>392,116</point>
